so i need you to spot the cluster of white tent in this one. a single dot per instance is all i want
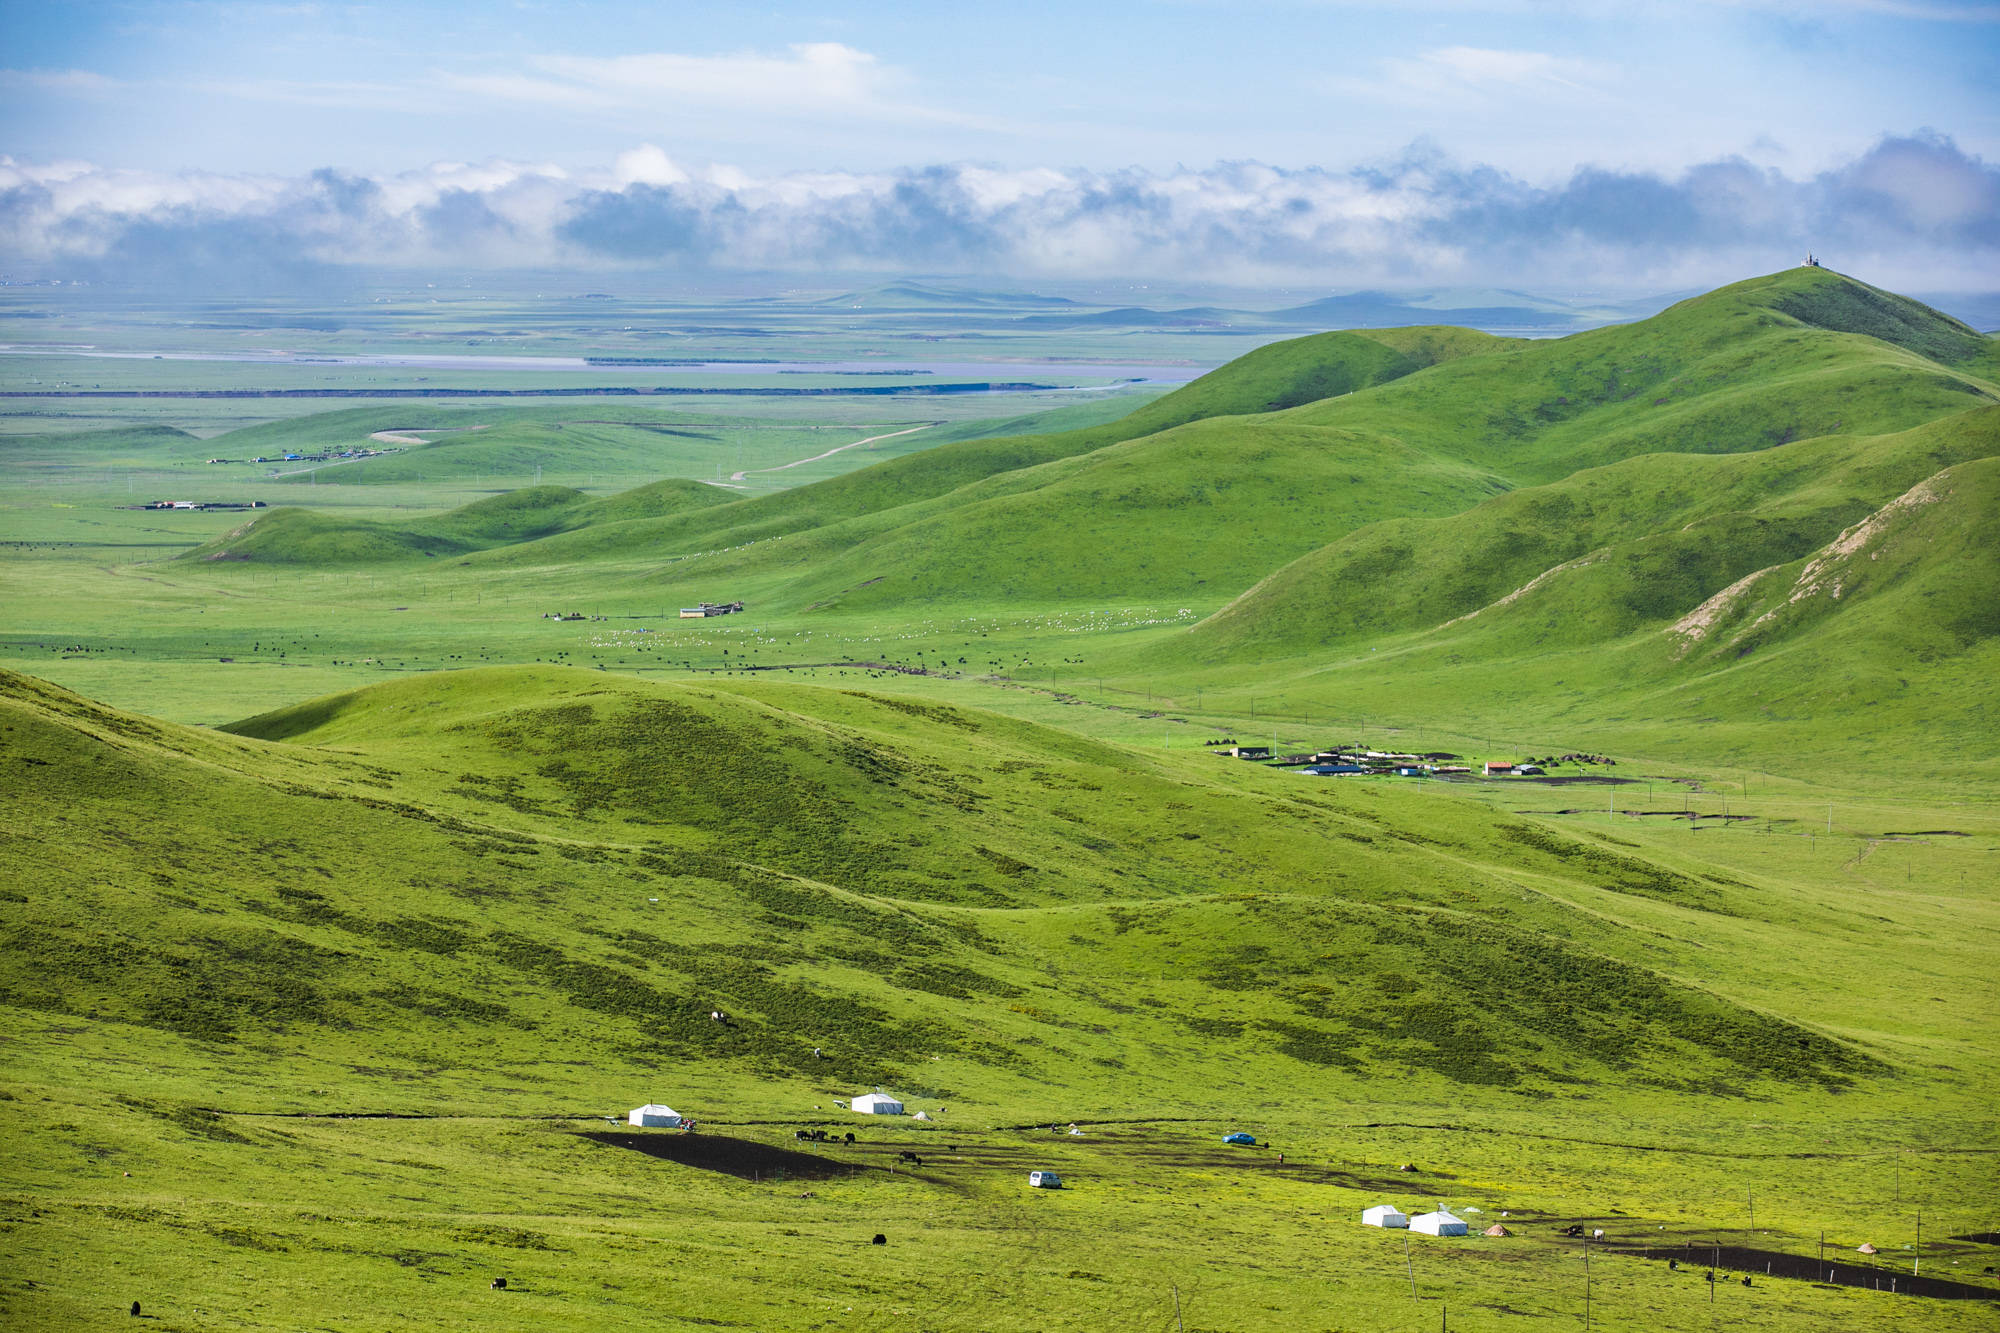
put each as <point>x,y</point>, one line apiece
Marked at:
<point>655,1116</point>
<point>1439,1223</point>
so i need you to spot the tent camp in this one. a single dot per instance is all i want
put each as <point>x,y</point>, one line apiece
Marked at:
<point>875,1103</point>
<point>653,1116</point>
<point>1496,1230</point>
<point>1384,1215</point>
<point>1439,1223</point>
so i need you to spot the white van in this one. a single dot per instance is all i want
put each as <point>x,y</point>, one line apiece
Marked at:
<point>1044,1180</point>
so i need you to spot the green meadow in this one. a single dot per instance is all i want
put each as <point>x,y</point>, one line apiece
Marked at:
<point>368,850</point>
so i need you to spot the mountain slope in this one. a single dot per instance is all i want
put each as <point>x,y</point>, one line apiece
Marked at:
<point>1705,520</point>
<point>514,867</point>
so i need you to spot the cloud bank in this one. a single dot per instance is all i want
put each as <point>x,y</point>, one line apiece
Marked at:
<point>1913,211</point>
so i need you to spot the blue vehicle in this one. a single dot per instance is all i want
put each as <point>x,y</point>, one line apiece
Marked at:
<point>1245,1140</point>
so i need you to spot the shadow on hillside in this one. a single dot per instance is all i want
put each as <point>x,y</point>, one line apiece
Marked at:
<point>742,1158</point>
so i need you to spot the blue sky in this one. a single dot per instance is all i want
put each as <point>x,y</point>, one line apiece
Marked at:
<point>714,116</point>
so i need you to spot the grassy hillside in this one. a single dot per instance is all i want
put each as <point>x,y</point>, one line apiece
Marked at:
<point>1216,485</point>
<point>307,537</point>
<point>509,833</point>
<point>1659,533</point>
<point>493,905</point>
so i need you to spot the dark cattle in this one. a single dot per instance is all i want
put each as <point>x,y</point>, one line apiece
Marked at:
<point>499,1284</point>
<point>1673,1265</point>
<point>850,1136</point>
<point>135,1309</point>
<point>880,1239</point>
<point>1746,1279</point>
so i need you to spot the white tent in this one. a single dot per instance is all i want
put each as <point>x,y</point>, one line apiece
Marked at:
<point>1384,1215</point>
<point>875,1103</point>
<point>654,1116</point>
<point>1439,1223</point>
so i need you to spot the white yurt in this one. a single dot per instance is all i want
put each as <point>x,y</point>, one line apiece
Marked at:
<point>1439,1223</point>
<point>1384,1215</point>
<point>654,1116</point>
<point>875,1103</point>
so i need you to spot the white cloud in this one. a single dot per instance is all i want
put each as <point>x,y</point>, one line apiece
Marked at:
<point>1461,73</point>
<point>647,164</point>
<point>57,80</point>
<point>1915,212</point>
<point>807,78</point>
<point>813,75</point>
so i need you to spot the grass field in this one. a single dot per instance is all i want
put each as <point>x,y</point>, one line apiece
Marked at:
<point>347,891</point>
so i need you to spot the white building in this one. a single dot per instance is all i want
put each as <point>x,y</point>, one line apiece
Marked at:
<point>654,1116</point>
<point>1439,1223</point>
<point>1384,1215</point>
<point>875,1103</point>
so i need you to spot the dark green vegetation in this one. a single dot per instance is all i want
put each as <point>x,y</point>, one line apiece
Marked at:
<point>908,822</point>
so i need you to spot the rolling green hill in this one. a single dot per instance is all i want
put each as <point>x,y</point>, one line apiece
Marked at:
<point>316,1018</point>
<point>328,1010</point>
<point>308,537</point>
<point>1654,536</point>
<point>1374,510</point>
<point>523,858</point>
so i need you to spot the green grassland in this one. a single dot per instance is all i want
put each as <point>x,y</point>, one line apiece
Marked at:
<point>347,890</point>
<point>504,901</point>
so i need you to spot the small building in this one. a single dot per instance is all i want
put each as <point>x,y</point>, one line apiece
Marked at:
<point>875,1103</point>
<point>1334,770</point>
<point>1499,770</point>
<point>1044,1180</point>
<point>1439,1223</point>
<point>1384,1215</point>
<point>654,1116</point>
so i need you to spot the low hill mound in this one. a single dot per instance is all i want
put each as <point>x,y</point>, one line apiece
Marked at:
<point>311,537</point>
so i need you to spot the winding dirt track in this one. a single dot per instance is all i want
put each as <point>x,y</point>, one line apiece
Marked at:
<point>798,462</point>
